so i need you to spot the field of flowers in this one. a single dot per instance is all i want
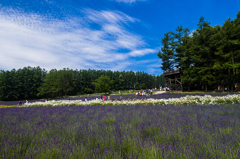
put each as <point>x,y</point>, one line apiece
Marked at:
<point>141,100</point>
<point>4,105</point>
<point>126,131</point>
<point>124,97</point>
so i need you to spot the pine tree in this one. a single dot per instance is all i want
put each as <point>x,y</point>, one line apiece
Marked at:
<point>167,53</point>
<point>228,52</point>
<point>203,56</point>
<point>178,41</point>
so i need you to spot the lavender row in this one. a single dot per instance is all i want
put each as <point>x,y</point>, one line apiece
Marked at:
<point>121,132</point>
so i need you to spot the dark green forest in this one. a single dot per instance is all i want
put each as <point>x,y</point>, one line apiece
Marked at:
<point>207,56</point>
<point>35,82</point>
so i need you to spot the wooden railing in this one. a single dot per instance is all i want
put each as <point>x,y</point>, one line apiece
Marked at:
<point>173,71</point>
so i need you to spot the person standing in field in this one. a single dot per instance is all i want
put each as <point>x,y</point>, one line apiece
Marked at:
<point>85,99</point>
<point>20,103</point>
<point>103,97</point>
<point>151,91</point>
<point>121,96</point>
<point>26,101</point>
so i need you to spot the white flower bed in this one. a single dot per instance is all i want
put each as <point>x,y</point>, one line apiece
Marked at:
<point>207,99</point>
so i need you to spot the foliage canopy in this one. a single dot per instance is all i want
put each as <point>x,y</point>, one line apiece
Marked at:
<point>207,56</point>
<point>103,84</point>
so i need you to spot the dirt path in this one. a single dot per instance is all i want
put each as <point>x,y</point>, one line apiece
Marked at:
<point>160,92</point>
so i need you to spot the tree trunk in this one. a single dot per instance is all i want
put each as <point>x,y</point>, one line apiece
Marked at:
<point>181,81</point>
<point>231,88</point>
<point>175,83</point>
<point>233,62</point>
<point>223,88</point>
<point>205,88</point>
<point>170,85</point>
<point>188,88</point>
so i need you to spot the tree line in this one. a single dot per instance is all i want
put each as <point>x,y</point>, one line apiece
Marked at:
<point>35,82</point>
<point>208,56</point>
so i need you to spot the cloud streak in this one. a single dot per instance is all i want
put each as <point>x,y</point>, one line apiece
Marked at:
<point>129,1</point>
<point>142,52</point>
<point>35,40</point>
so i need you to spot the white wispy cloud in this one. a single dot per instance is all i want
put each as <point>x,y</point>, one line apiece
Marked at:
<point>142,52</point>
<point>129,1</point>
<point>113,17</point>
<point>36,40</point>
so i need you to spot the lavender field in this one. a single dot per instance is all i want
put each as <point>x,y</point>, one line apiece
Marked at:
<point>195,131</point>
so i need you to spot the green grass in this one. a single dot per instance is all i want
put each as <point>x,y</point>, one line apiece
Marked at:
<point>8,106</point>
<point>154,92</point>
<point>132,93</point>
<point>125,93</point>
<point>203,92</point>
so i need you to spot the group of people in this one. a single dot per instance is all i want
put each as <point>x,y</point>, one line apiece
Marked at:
<point>147,92</point>
<point>20,103</point>
<point>105,97</point>
<point>130,91</point>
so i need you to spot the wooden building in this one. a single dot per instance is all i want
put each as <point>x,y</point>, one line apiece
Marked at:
<point>173,79</point>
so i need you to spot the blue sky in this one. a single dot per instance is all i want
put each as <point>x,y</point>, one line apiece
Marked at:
<point>98,34</point>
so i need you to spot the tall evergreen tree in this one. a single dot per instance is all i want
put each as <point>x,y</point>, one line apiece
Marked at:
<point>121,82</point>
<point>167,52</point>
<point>229,51</point>
<point>204,56</point>
<point>178,41</point>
